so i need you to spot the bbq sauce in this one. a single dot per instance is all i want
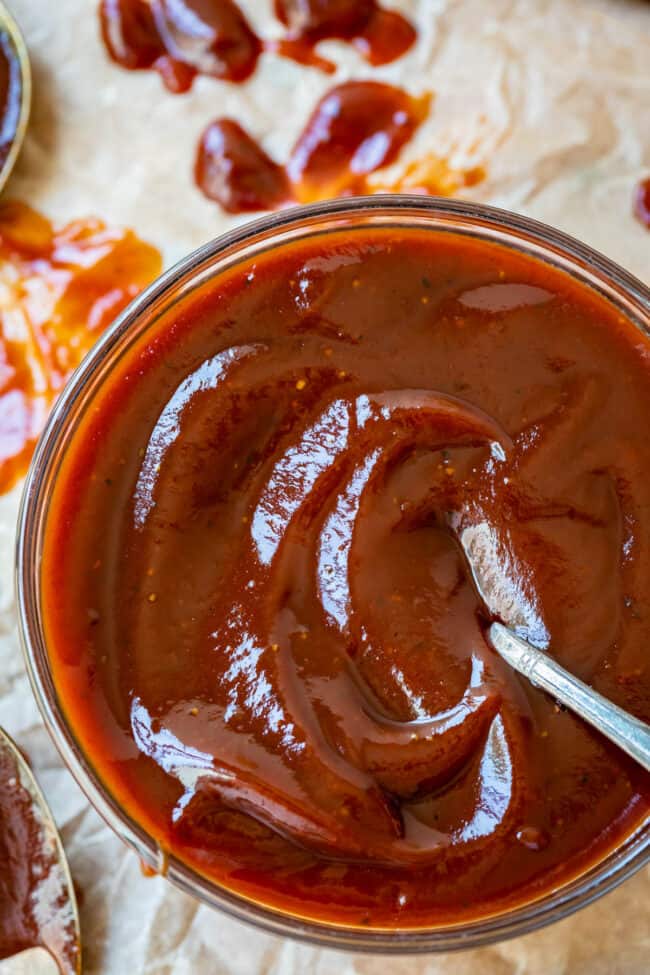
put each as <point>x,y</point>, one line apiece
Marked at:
<point>261,624</point>
<point>356,128</point>
<point>379,35</point>
<point>184,38</point>
<point>33,888</point>
<point>180,39</point>
<point>642,202</point>
<point>61,287</point>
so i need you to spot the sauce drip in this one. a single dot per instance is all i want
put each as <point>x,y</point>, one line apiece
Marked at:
<point>278,665</point>
<point>32,889</point>
<point>356,129</point>
<point>642,202</point>
<point>379,35</point>
<point>180,39</point>
<point>59,289</point>
<point>11,91</point>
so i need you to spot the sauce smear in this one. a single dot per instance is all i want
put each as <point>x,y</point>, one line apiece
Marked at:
<point>356,128</point>
<point>232,169</point>
<point>60,287</point>
<point>180,39</point>
<point>183,38</point>
<point>278,664</point>
<point>379,35</point>
<point>642,202</point>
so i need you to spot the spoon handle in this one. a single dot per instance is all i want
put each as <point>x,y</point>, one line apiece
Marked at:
<point>626,731</point>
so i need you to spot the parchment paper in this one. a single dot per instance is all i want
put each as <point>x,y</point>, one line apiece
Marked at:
<point>553,97</point>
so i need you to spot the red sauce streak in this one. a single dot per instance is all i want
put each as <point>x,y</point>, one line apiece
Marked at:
<point>61,287</point>
<point>379,35</point>
<point>259,619</point>
<point>642,202</point>
<point>356,129</point>
<point>180,39</point>
<point>10,95</point>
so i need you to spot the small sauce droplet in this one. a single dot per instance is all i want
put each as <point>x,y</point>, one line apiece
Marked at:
<point>642,202</point>
<point>59,289</point>
<point>180,39</point>
<point>146,870</point>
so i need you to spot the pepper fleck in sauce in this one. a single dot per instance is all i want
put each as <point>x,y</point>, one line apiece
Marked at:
<point>379,35</point>
<point>260,621</point>
<point>356,129</point>
<point>59,289</point>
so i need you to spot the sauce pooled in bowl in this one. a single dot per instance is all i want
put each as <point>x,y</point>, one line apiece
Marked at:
<point>262,627</point>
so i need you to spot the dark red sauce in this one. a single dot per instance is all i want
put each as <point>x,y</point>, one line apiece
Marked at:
<point>61,287</point>
<point>180,39</point>
<point>642,202</point>
<point>31,889</point>
<point>18,927</point>
<point>11,90</point>
<point>261,625</point>
<point>356,128</point>
<point>233,169</point>
<point>379,35</point>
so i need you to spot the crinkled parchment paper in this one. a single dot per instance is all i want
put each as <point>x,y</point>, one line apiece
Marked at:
<point>553,97</point>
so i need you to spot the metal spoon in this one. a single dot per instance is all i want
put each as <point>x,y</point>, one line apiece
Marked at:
<point>502,599</point>
<point>630,734</point>
<point>13,123</point>
<point>53,903</point>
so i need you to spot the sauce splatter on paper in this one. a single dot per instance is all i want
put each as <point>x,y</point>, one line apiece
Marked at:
<point>379,35</point>
<point>60,287</point>
<point>357,129</point>
<point>642,202</point>
<point>184,38</point>
<point>180,39</point>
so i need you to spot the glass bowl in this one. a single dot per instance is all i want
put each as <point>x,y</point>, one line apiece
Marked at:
<point>615,285</point>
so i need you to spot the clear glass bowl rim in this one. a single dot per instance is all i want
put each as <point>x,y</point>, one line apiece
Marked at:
<point>489,223</point>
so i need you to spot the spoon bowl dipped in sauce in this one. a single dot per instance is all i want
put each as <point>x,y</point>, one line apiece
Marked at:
<point>496,592</point>
<point>248,625</point>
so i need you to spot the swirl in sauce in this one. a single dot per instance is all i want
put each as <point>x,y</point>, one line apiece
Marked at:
<point>260,618</point>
